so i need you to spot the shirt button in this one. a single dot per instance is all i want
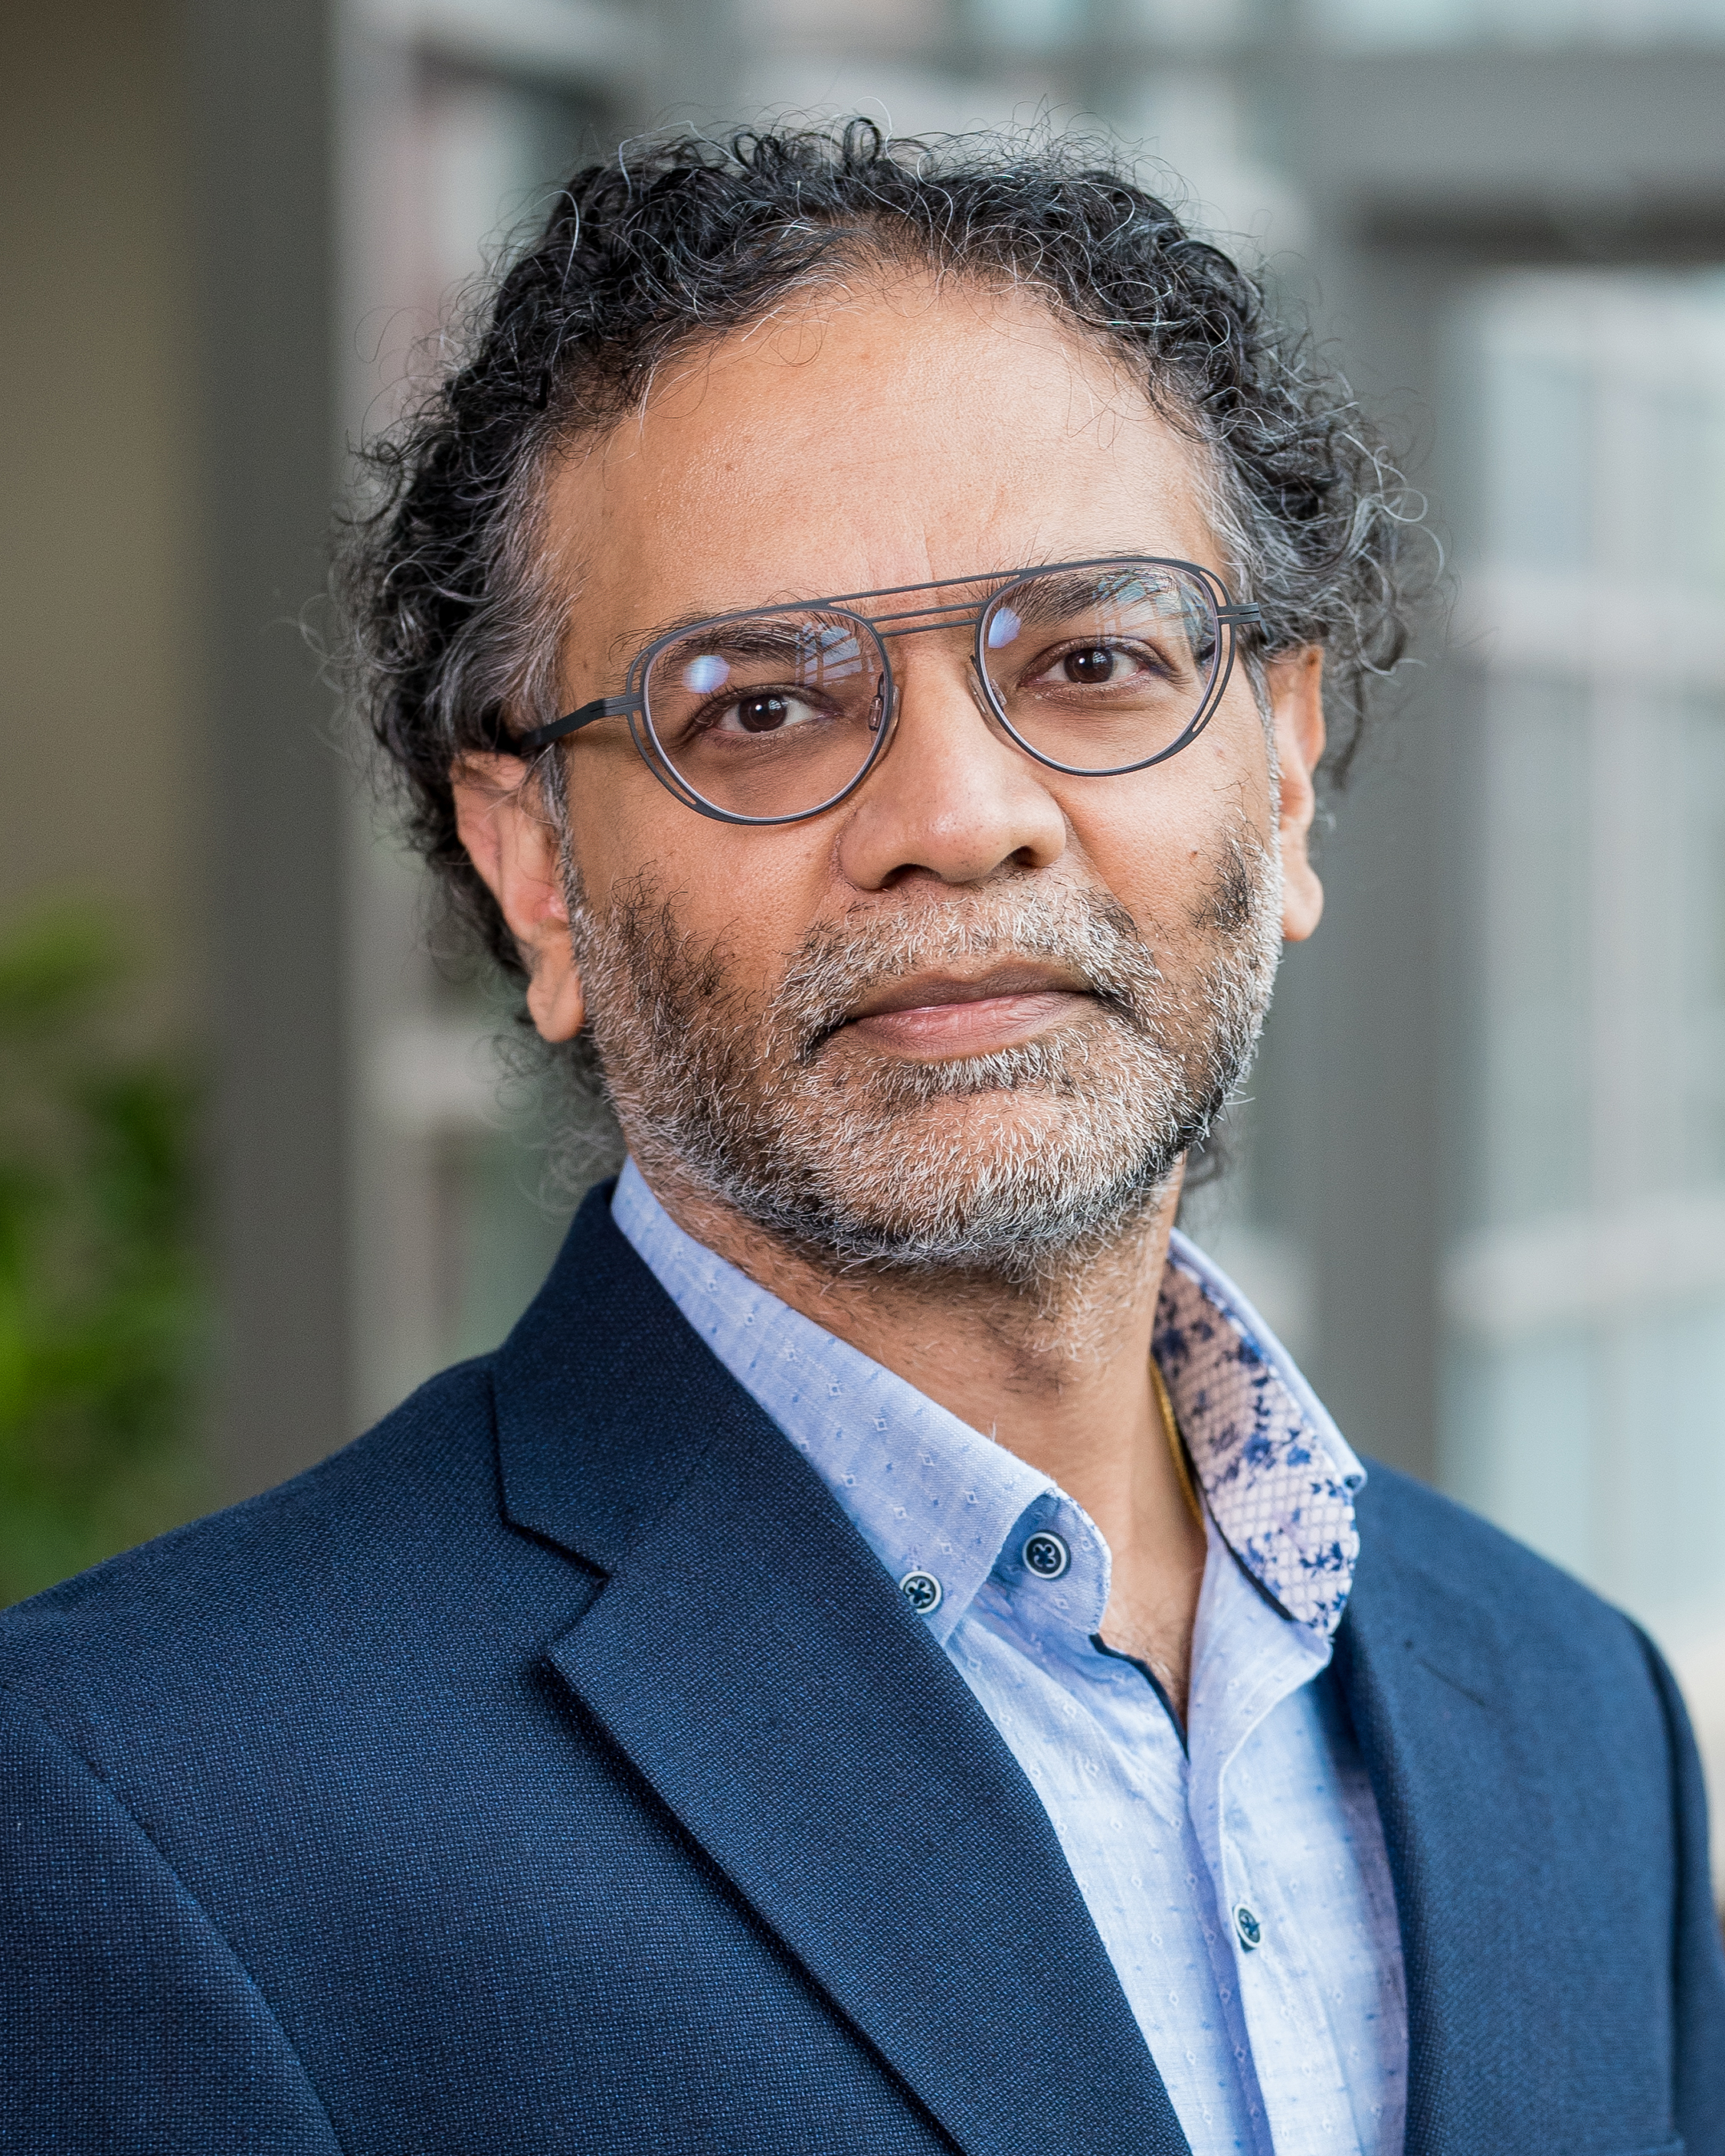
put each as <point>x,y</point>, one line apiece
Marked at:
<point>923,1591</point>
<point>1250,1931</point>
<point>1046,1555</point>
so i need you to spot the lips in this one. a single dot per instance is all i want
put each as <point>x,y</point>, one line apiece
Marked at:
<point>944,1017</point>
<point>937,991</point>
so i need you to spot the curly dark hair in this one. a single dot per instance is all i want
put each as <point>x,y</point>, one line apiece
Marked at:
<point>453,635</point>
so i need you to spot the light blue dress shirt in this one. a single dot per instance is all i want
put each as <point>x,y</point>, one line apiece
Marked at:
<point>1237,1881</point>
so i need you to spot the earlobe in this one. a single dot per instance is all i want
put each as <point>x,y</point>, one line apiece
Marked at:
<point>556,1003</point>
<point>515,849</point>
<point>1296,685</point>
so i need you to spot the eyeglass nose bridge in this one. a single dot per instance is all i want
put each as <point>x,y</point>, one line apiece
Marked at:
<point>920,621</point>
<point>890,695</point>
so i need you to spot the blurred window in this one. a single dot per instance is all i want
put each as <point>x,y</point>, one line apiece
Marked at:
<point>1586,1274</point>
<point>1410,24</point>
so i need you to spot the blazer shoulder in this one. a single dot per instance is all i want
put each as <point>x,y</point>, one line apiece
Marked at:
<point>344,1533</point>
<point>1485,1575</point>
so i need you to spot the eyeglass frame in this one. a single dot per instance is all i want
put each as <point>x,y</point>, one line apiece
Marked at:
<point>1230,616</point>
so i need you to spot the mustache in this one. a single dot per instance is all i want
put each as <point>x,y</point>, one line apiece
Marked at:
<point>1088,934</point>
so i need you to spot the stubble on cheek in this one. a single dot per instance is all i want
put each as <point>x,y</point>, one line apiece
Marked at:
<point>987,1162</point>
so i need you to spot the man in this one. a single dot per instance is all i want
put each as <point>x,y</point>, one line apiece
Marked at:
<point>891,1655</point>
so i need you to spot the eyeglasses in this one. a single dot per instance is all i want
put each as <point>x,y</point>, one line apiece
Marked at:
<point>1094,669</point>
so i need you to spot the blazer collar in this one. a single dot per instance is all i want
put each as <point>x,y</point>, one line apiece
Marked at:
<point>820,1747</point>
<point>605,1398</point>
<point>1465,1822</point>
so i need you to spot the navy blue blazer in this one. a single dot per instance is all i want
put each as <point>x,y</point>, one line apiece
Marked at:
<point>556,1769</point>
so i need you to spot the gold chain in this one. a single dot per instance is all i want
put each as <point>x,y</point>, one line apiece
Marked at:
<point>1176,1443</point>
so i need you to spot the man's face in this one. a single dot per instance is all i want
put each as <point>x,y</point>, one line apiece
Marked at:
<point>980,1009</point>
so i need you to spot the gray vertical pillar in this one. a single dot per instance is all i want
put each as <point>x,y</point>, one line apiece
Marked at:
<point>261,122</point>
<point>1382,1068</point>
<point>1354,1145</point>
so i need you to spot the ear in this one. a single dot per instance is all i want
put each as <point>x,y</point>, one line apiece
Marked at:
<point>1296,684</point>
<point>515,849</point>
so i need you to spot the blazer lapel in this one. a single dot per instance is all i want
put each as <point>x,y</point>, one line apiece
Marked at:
<point>1468,1833</point>
<point>750,1656</point>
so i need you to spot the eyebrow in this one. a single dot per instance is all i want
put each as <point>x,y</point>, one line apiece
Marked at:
<point>1077,588</point>
<point>628,643</point>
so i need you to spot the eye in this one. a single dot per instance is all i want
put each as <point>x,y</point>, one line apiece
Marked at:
<point>768,711</point>
<point>1098,665</point>
<point>1093,665</point>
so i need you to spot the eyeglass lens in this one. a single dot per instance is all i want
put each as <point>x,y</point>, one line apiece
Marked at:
<point>768,716</point>
<point>1101,669</point>
<point>775,714</point>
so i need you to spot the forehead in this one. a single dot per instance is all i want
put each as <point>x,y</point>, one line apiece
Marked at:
<point>877,434</point>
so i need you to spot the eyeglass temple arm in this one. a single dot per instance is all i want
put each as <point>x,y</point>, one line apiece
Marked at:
<point>601,708</point>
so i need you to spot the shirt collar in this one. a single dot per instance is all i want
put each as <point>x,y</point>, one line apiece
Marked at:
<point>1278,1475</point>
<point>929,1494</point>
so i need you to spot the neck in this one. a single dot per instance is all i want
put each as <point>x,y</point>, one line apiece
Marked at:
<point>1057,1370</point>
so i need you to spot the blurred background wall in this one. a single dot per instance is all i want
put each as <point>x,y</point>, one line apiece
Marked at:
<point>1481,1187</point>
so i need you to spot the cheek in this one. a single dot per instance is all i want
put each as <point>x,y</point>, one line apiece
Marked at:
<point>616,811</point>
<point>1154,839</point>
<point>752,894</point>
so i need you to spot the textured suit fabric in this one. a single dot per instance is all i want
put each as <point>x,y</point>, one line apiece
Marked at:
<point>482,1791</point>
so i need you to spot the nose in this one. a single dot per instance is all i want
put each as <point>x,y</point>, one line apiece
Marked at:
<point>954,798</point>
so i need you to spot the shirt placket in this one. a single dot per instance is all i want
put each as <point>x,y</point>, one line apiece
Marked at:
<point>1248,1659</point>
<point>1148,1746</point>
<point>1140,1747</point>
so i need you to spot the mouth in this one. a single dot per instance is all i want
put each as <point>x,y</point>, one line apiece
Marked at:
<point>933,1016</point>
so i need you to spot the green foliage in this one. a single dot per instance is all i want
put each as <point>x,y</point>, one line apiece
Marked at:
<point>100,1295</point>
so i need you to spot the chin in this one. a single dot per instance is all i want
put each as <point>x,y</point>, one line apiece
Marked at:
<point>995,1181</point>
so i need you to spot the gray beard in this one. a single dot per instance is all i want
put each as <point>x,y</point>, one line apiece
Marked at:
<point>1002,1166</point>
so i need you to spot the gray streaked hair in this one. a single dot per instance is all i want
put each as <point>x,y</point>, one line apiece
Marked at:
<point>453,632</point>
